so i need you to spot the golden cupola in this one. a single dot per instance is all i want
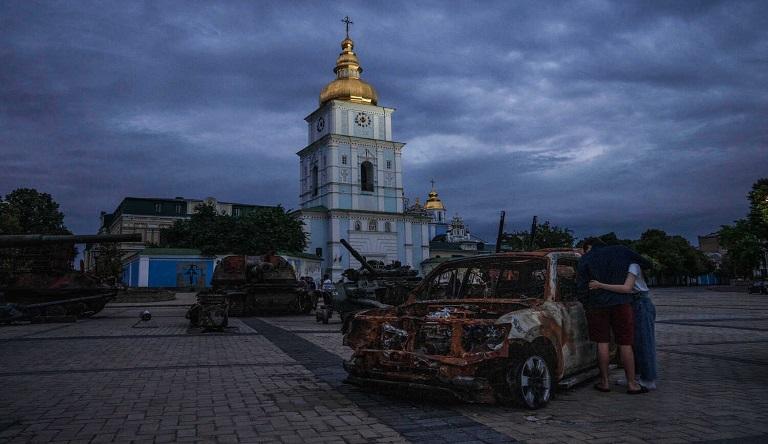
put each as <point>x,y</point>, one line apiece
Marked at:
<point>433,201</point>
<point>348,85</point>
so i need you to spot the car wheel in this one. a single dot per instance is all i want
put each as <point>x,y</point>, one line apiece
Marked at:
<point>530,382</point>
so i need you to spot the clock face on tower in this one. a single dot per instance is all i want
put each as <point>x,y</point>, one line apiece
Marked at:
<point>320,124</point>
<point>363,119</point>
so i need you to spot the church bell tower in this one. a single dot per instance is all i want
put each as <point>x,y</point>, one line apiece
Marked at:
<point>351,184</point>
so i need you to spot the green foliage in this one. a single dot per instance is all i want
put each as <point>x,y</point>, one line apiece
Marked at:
<point>610,239</point>
<point>27,211</point>
<point>758,209</point>
<point>109,262</point>
<point>744,246</point>
<point>260,231</point>
<point>547,236</point>
<point>746,241</point>
<point>672,255</point>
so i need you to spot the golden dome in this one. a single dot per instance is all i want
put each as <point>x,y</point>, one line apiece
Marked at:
<point>434,202</point>
<point>348,85</point>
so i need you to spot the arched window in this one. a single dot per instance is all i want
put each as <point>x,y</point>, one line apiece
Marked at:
<point>315,187</point>
<point>372,226</point>
<point>387,227</point>
<point>366,176</point>
<point>358,225</point>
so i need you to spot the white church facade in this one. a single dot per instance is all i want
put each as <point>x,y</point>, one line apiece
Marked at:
<point>351,178</point>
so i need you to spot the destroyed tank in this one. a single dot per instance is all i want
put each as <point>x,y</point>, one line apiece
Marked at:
<point>258,284</point>
<point>373,285</point>
<point>39,283</point>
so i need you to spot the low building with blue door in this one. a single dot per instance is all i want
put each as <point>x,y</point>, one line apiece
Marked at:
<point>168,268</point>
<point>189,268</point>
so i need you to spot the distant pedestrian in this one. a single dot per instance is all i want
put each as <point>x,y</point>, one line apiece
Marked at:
<point>608,310</point>
<point>645,318</point>
<point>327,290</point>
<point>328,283</point>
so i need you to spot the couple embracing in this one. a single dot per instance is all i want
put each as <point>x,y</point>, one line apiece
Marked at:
<point>615,296</point>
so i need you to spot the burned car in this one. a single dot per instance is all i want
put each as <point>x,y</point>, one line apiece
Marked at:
<point>499,328</point>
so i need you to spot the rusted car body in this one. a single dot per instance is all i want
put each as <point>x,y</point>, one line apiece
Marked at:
<point>498,328</point>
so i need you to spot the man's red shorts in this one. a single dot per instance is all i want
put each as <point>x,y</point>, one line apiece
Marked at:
<point>618,318</point>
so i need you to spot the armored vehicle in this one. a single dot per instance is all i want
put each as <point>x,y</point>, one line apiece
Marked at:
<point>39,283</point>
<point>374,285</point>
<point>257,284</point>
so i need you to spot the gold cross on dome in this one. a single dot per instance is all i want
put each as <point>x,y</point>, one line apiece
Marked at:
<point>348,22</point>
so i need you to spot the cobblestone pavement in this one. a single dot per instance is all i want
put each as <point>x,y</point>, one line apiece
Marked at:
<point>279,379</point>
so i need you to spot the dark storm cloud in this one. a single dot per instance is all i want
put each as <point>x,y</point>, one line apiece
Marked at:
<point>597,116</point>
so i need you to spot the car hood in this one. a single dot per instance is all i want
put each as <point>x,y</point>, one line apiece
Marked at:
<point>366,326</point>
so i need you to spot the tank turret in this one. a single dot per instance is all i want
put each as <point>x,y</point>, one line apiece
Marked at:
<point>373,285</point>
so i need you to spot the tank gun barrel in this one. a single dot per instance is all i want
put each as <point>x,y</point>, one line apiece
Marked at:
<point>360,258</point>
<point>23,240</point>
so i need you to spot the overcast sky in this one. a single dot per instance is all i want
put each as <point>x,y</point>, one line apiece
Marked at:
<point>597,116</point>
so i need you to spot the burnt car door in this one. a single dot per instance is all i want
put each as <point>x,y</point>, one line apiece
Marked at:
<point>579,352</point>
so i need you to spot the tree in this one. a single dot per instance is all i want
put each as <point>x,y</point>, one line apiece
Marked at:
<point>109,264</point>
<point>206,230</point>
<point>746,241</point>
<point>267,229</point>
<point>27,211</point>
<point>745,249</point>
<point>758,207</point>
<point>758,215</point>
<point>673,257</point>
<point>547,236</point>
<point>259,231</point>
<point>610,239</point>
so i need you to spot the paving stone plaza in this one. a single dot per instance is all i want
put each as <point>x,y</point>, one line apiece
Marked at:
<point>279,379</point>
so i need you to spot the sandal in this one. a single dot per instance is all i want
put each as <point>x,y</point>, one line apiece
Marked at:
<point>637,392</point>
<point>601,389</point>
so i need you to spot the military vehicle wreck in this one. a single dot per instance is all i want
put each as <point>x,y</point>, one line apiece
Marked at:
<point>373,285</point>
<point>499,328</point>
<point>257,284</point>
<point>38,282</point>
<point>210,312</point>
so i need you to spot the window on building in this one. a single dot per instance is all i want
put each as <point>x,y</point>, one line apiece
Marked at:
<point>389,164</point>
<point>387,227</point>
<point>178,209</point>
<point>343,159</point>
<point>158,207</point>
<point>366,176</point>
<point>358,225</point>
<point>372,225</point>
<point>236,212</point>
<point>315,185</point>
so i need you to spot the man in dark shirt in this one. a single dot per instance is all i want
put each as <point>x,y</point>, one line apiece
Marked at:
<point>607,310</point>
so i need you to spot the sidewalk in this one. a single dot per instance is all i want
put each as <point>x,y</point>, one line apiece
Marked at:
<point>184,299</point>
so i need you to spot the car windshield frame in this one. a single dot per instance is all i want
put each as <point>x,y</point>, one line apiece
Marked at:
<point>488,278</point>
